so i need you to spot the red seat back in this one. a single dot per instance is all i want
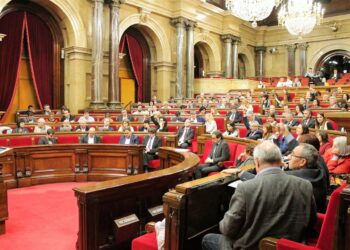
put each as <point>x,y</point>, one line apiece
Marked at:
<point>4,142</point>
<point>243,132</point>
<point>220,122</point>
<point>20,141</point>
<point>68,139</point>
<point>239,150</point>
<point>207,149</point>
<point>334,124</point>
<point>111,139</point>
<point>326,237</point>
<point>232,148</point>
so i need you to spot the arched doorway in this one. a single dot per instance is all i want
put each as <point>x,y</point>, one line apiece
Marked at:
<point>201,60</point>
<point>136,65</point>
<point>336,59</point>
<point>40,67</point>
<point>241,66</point>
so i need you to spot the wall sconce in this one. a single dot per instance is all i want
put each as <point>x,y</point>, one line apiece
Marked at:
<point>273,50</point>
<point>334,27</point>
<point>2,36</point>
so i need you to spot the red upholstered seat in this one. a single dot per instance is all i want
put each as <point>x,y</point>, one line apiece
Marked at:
<point>20,141</point>
<point>110,139</point>
<point>243,132</point>
<point>154,164</point>
<point>220,122</point>
<point>68,139</point>
<point>145,242</point>
<point>256,108</point>
<point>328,227</point>
<point>334,124</point>
<point>3,142</point>
<point>207,149</point>
<point>172,128</point>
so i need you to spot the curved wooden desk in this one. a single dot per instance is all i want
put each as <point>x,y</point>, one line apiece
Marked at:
<point>102,203</point>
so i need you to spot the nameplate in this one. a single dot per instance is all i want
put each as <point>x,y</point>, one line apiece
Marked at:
<point>127,220</point>
<point>154,211</point>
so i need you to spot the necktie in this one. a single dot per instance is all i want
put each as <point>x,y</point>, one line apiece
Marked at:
<point>149,144</point>
<point>233,117</point>
<point>182,139</point>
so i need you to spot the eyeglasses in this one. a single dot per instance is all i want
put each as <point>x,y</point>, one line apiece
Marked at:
<point>296,156</point>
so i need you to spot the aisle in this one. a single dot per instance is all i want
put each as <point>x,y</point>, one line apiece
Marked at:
<point>41,217</point>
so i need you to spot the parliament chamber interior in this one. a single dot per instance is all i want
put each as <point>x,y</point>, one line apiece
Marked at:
<point>174,124</point>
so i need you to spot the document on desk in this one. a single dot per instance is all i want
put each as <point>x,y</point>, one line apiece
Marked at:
<point>235,184</point>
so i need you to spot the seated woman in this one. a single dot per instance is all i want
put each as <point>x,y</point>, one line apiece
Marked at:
<point>125,124</point>
<point>302,130</point>
<point>268,135</point>
<point>299,110</point>
<point>322,123</point>
<point>316,104</point>
<point>20,129</point>
<point>231,130</point>
<point>322,136</point>
<point>338,157</point>
<point>272,120</point>
<point>210,124</point>
<point>243,160</point>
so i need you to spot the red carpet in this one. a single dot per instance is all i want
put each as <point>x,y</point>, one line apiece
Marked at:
<point>41,217</point>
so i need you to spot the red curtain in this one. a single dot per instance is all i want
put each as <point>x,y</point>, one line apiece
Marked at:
<point>40,49</point>
<point>10,55</point>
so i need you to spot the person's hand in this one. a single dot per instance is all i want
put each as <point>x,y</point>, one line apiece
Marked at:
<point>208,160</point>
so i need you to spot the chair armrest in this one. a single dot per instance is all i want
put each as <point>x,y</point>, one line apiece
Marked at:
<point>150,227</point>
<point>226,164</point>
<point>270,243</point>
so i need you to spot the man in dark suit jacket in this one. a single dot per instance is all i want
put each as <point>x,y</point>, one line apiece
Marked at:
<point>178,117</point>
<point>234,115</point>
<point>290,121</point>
<point>90,138</point>
<point>129,138</point>
<point>48,139</point>
<point>67,116</point>
<point>152,144</point>
<point>219,152</point>
<point>254,133</point>
<point>125,116</point>
<point>185,135</point>
<point>286,142</point>
<point>304,164</point>
<point>258,209</point>
<point>308,120</point>
<point>250,117</point>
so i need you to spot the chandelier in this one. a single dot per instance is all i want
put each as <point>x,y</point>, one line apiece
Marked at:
<point>300,16</point>
<point>251,10</point>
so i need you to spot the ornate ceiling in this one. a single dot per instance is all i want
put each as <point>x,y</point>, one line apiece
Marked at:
<point>332,8</point>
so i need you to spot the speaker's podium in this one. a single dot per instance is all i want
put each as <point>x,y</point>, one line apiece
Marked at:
<point>6,157</point>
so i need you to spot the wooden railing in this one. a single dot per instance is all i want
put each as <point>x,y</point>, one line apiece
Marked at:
<point>101,204</point>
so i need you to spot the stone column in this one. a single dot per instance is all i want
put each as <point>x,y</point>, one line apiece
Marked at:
<point>227,39</point>
<point>179,23</point>
<point>190,59</point>
<point>260,54</point>
<point>97,55</point>
<point>303,64</point>
<point>113,80</point>
<point>291,59</point>
<point>236,42</point>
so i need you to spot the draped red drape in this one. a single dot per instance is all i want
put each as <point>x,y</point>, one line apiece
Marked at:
<point>10,55</point>
<point>40,48</point>
<point>136,59</point>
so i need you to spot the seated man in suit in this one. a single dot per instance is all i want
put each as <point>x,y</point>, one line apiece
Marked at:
<point>254,133</point>
<point>91,137</point>
<point>185,135</point>
<point>106,125</point>
<point>234,115</point>
<point>290,121</point>
<point>196,118</point>
<point>65,127</point>
<point>308,120</point>
<point>219,152</point>
<point>250,117</point>
<point>82,126</point>
<point>247,221</point>
<point>46,109</point>
<point>87,117</point>
<point>145,127</point>
<point>125,116</point>
<point>41,127</point>
<point>129,138</point>
<point>152,144</point>
<point>303,163</point>
<point>67,116</point>
<point>30,118</point>
<point>178,117</point>
<point>48,139</point>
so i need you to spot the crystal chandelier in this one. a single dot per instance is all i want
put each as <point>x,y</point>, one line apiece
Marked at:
<point>251,10</point>
<point>300,16</point>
